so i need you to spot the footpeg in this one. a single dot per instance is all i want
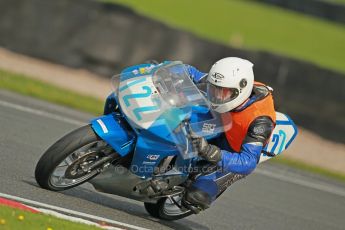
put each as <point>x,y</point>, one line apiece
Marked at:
<point>194,209</point>
<point>153,187</point>
<point>158,185</point>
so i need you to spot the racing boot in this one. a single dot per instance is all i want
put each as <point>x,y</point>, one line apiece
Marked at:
<point>196,200</point>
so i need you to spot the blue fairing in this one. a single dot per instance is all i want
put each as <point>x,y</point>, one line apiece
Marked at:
<point>149,153</point>
<point>141,91</point>
<point>111,128</point>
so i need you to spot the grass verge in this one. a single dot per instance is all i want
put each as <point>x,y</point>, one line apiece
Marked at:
<point>11,218</point>
<point>26,86</point>
<point>252,25</point>
<point>341,2</point>
<point>30,87</point>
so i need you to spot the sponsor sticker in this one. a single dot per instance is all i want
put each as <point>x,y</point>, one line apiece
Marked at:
<point>152,157</point>
<point>217,77</point>
<point>208,128</point>
<point>259,130</point>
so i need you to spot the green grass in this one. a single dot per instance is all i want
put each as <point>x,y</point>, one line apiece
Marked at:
<point>26,86</point>
<point>309,168</point>
<point>252,26</point>
<point>342,2</point>
<point>10,220</point>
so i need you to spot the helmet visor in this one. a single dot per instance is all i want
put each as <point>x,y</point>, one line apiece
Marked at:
<point>220,95</point>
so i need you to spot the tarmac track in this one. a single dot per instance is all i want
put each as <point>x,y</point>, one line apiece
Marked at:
<point>274,197</point>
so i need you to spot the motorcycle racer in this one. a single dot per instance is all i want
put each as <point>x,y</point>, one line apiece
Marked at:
<point>231,89</point>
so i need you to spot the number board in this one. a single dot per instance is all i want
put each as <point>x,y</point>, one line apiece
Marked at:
<point>137,100</point>
<point>283,134</point>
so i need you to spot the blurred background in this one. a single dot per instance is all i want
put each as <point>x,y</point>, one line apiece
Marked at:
<point>297,47</point>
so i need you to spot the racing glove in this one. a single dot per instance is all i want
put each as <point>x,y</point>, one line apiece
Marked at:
<point>210,153</point>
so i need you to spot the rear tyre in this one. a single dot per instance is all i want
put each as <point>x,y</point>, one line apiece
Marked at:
<point>165,209</point>
<point>61,166</point>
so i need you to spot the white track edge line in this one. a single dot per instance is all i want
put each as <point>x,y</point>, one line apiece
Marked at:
<point>73,219</point>
<point>321,187</point>
<point>41,113</point>
<point>80,214</point>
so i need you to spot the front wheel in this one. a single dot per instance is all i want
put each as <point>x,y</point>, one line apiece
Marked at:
<point>166,208</point>
<point>67,162</point>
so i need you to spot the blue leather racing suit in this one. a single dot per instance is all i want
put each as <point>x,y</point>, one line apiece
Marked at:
<point>232,164</point>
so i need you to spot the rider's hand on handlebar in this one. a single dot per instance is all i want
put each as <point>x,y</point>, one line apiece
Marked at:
<point>209,152</point>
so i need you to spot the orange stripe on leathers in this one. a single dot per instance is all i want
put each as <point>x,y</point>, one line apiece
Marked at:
<point>241,120</point>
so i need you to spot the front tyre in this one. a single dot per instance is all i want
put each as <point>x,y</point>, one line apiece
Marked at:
<point>166,209</point>
<point>66,163</point>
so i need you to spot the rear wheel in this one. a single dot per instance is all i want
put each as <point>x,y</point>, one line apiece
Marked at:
<point>167,209</point>
<point>67,162</point>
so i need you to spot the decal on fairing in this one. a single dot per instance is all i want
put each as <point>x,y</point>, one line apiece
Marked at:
<point>208,128</point>
<point>152,157</point>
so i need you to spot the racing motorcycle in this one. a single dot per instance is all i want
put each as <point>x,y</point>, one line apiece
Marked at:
<point>142,147</point>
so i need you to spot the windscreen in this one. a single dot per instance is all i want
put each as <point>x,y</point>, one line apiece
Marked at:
<point>164,101</point>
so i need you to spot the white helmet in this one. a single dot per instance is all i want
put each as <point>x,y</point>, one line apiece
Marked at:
<point>230,83</point>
